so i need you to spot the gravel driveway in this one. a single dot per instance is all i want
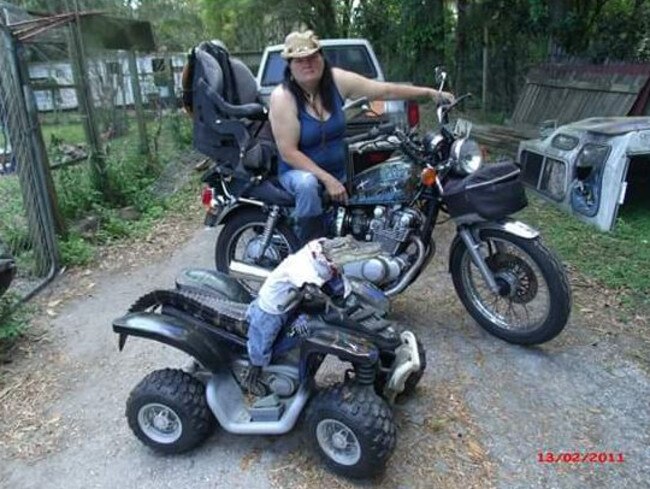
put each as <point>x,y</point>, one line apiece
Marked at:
<point>482,415</point>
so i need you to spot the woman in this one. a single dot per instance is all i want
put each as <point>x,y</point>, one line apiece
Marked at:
<point>309,125</point>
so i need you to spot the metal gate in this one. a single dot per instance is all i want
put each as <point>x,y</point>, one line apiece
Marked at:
<point>26,216</point>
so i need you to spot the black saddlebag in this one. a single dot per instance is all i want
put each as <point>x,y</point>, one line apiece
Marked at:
<point>493,192</point>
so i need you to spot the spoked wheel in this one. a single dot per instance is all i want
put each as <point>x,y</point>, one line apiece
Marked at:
<point>168,411</point>
<point>353,429</point>
<point>534,299</point>
<point>241,239</point>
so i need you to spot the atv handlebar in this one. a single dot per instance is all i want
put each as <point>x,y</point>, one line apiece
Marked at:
<point>307,291</point>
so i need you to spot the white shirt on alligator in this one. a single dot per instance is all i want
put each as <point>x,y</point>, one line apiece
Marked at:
<point>307,266</point>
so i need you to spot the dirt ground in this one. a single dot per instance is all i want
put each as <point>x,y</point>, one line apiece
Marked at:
<point>483,414</point>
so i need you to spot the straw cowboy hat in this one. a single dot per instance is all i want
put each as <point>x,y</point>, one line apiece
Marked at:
<point>300,45</point>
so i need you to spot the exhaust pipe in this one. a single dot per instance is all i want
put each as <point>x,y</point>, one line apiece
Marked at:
<point>408,277</point>
<point>239,269</point>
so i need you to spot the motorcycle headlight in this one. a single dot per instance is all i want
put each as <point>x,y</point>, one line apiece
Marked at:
<point>467,156</point>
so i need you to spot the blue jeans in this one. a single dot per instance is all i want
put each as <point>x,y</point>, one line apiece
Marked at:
<point>263,329</point>
<point>306,189</point>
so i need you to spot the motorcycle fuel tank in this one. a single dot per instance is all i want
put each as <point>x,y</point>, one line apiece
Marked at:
<point>392,182</point>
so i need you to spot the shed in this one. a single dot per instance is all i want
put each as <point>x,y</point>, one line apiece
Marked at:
<point>572,92</point>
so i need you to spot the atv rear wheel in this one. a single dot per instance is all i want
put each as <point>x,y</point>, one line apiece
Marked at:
<point>168,411</point>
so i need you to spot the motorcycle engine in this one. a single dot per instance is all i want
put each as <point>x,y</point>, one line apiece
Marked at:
<point>391,228</point>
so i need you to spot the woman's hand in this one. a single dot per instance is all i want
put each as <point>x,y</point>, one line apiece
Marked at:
<point>442,98</point>
<point>335,189</point>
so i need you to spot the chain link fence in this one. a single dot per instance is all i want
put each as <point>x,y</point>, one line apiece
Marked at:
<point>26,218</point>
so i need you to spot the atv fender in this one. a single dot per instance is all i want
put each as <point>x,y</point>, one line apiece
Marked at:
<point>203,343</point>
<point>335,341</point>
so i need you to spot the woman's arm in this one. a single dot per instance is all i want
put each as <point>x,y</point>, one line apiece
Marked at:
<point>354,86</point>
<point>283,115</point>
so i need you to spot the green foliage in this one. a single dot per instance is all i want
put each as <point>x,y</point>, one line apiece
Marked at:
<point>75,191</point>
<point>75,251</point>
<point>13,227</point>
<point>13,319</point>
<point>70,133</point>
<point>617,259</point>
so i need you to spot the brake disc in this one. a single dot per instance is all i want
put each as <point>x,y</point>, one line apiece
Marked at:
<point>514,269</point>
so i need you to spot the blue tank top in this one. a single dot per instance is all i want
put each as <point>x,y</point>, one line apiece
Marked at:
<point>322,142</point>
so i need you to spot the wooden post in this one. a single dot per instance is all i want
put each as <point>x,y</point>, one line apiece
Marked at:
<point>84,99</point>
<point>137,101</point>
<point>485,68</point>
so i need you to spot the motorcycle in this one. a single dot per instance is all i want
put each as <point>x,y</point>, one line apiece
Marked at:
<point>7,268</point>
<point>507,279</point>
<point>351,423</point>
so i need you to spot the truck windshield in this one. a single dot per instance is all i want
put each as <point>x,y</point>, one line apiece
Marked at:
<point>351,58</point>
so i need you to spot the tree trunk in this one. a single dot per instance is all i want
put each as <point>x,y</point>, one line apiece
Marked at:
<point>485,67</point>
<point>461,47</point>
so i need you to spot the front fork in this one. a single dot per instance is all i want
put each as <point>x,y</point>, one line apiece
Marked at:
<point>469,234</point>
<point>473,246</point>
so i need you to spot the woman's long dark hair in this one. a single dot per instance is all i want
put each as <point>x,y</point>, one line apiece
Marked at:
<point>325,87</point>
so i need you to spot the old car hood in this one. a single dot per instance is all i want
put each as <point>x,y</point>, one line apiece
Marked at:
<point>612,126</point>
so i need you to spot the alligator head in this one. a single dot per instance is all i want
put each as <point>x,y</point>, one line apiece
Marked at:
<point>340,251</point>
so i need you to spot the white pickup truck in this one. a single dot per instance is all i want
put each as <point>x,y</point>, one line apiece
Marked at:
<point>354,55</point>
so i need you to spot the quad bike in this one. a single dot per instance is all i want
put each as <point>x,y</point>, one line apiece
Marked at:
<point>351,423</point>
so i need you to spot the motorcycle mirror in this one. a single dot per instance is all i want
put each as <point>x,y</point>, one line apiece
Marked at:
<point>440,76</point>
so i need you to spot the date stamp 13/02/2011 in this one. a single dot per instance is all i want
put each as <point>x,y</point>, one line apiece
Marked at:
<point>580,457</point>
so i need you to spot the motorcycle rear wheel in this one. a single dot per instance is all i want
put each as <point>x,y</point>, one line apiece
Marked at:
<point>240,234</point>
<point>526,271</point>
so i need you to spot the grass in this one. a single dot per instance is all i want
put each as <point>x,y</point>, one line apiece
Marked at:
<point>618,259</point>
<point>71,133</point>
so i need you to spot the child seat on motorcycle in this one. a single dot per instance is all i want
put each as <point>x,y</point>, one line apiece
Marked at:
<point>226,112</point>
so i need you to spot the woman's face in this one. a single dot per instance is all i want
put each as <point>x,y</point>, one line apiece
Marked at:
<point>307,70</point>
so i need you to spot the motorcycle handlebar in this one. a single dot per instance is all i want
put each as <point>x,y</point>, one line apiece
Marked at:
<point>380,130</point>
<point>447,107</point>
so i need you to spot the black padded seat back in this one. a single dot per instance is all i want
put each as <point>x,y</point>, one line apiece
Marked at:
<point>228,117</point>
<point>208,76</point>
<point>245,83</point>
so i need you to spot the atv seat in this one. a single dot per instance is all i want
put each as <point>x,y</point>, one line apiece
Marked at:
<point>212,282</point>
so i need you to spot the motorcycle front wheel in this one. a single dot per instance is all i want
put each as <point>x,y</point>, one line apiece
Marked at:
<point>534,299</point>
<point>240,240</point>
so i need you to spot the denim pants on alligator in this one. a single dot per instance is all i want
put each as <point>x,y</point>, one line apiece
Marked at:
<point>263,329</point>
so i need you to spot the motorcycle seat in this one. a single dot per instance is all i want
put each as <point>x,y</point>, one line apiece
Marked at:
<point>271,192</point>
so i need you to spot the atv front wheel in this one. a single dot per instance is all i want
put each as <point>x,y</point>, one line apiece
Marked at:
<point>353,429</point>
<point>168,411</point>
